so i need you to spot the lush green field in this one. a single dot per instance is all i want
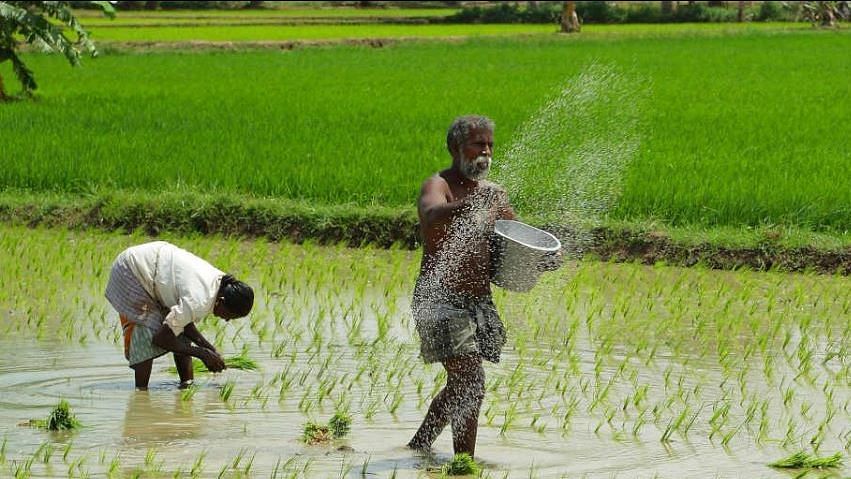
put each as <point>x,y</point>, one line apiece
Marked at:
<point>734,130</point>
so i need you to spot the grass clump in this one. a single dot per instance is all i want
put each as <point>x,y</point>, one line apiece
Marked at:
<point>462,464</point>
<point>60,419</point>
<point>804,460</point>
<point>338,426</point>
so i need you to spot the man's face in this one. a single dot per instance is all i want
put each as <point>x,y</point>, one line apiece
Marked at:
<point>222,311</point>
<point>476,154</point>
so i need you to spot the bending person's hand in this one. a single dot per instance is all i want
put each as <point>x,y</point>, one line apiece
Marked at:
<point>212,360</point>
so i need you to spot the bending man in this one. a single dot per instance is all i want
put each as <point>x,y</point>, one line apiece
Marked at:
<point>160,291</point>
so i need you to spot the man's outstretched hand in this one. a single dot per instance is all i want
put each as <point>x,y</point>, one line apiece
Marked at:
<point>551,261</point>
<point>212,360</point>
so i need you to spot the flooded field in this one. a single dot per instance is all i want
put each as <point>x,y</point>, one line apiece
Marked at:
<point>611,370</point>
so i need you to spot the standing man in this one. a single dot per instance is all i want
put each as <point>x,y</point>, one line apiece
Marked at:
<point>160,291</point>
<point>455,317</point>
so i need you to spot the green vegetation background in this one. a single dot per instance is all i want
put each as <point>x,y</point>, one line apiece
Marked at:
<point>739,130</point>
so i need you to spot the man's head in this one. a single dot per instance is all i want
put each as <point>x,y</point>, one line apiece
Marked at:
<point>470,142</point>
<point>234,299</point>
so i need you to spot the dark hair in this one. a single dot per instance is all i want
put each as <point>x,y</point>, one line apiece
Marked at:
<point>236,296</point>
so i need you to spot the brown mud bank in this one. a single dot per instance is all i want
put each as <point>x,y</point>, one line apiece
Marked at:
<point>382,226</point>
<point>143,46</point>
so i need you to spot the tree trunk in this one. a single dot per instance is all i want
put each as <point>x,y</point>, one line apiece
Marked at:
<point>3,96</point>
<point>828,19</point>
<point>741,16</point>
<point>668,7</point>
<point>569,20</point>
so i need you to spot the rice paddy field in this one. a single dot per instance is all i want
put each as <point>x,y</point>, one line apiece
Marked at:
<point>729,126</point>
<point>611,370</point>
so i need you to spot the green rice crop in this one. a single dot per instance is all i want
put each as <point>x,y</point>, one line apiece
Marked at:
<point>769,158</point>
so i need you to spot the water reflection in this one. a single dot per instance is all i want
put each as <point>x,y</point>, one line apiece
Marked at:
<point>160,417</point>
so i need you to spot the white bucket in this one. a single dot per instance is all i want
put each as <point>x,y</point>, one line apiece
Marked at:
<point>518,251</point>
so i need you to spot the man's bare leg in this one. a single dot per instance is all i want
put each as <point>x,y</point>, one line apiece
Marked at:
<point>143,373</point>
<point>465,417</point>
<point>458,402</point>
<point>183,363</point>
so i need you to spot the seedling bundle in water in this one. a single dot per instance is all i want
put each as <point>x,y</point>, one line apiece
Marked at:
<point>461,465</point>
<point>60,419</point>
<point>338,427</point>
<point>803,460</point>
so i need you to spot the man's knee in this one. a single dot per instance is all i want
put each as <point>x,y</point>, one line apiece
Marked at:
<point>468,376</point>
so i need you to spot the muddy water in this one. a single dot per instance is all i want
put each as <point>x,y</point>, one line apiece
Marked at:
<point>755,364</point>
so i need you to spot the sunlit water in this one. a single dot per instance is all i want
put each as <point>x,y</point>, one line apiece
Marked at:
<point>601,360</point>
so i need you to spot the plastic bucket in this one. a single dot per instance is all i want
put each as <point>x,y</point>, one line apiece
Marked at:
<point>517,250</point>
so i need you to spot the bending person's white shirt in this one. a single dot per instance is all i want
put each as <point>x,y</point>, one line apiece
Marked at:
<point>180,281</point>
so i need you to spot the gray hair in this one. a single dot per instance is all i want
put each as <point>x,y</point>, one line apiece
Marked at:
<point>459,131</point>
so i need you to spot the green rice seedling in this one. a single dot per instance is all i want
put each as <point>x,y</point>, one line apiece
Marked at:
<point>188,393</point>
<point>462,464</point>
<point>365,466</point>
<point>198,465</point>
<point>114,468</point>
<point>227,390</point>
<point>45,450</point>
<point>804,460</point>
<point>23,468</point>
<point>66,451</point>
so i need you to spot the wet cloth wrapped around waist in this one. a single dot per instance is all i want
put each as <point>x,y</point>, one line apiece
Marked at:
<point>452,324</point>
<point>126,294</point>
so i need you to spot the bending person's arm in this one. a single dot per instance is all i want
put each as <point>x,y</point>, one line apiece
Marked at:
<point>176,323</point>
<point>166,339</point>
<point>191,332</point>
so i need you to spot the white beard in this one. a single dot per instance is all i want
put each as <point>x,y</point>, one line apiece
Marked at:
<point>476,170</point>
